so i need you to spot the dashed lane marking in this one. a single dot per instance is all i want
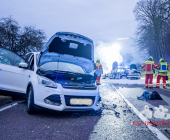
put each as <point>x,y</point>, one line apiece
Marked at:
<point>154,130</point>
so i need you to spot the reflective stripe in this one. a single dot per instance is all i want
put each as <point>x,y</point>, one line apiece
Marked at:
<point>97,81</point>
<point>98,64</point>
<point>150,85</point>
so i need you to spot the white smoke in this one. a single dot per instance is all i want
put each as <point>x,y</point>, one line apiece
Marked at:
<point>107,53</point>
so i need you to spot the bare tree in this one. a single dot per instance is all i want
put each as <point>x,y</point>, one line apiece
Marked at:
<point>20,40</point>
<point>152,28</point>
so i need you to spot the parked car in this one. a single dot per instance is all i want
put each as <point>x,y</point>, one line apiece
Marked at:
<point>57,78</point>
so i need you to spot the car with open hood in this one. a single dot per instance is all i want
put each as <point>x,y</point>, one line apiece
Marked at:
<point>60,76</point>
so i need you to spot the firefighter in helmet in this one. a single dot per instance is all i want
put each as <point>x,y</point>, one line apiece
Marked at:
<point>162,72</point>
<point>98,66</point>
<point>149,67</point>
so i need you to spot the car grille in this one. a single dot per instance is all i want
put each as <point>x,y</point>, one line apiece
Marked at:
<point>80,87</point>
<point>68,97</point>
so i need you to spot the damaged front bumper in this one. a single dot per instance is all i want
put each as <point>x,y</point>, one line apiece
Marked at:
<point>59,98</point>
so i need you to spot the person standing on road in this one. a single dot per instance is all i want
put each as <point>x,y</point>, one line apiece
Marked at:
<point>162,72</point>
<point>114,69</point>
<point>98,66</point>
<point>149,67</point>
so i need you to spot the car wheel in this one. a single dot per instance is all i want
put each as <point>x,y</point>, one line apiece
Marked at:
<point>30,101</point>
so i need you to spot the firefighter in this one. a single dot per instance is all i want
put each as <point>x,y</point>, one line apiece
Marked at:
<point>162,72</point>
<point>149,67</point>
<point>98,66</point>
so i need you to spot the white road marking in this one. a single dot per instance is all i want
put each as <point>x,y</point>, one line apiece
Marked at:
<point>155,131</point>
<point>11,105</point>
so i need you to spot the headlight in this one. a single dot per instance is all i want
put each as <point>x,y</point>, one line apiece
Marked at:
<point>46,82</point>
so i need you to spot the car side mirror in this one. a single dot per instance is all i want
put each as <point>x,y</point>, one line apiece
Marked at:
<point>23,65</point>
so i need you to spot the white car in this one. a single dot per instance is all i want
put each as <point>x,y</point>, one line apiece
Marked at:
<point>133,74</point>
<point>57,78</point>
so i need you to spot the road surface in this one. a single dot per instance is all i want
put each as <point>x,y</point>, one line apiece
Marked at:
<point>115,121</point>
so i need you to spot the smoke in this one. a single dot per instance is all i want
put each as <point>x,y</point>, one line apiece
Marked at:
<point>107,53</point>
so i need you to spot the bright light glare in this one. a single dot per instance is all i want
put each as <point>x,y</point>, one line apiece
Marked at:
<point>108,53</point>
<point>122,38</point>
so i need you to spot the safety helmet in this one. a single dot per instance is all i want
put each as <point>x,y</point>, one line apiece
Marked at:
<point>150,58</point>
<point>98,60</point>
<point>161,60</point>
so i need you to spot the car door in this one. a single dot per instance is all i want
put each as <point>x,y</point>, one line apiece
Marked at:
<point>12,78</point>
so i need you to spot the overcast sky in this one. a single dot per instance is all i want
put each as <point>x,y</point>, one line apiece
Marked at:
<point>101,20</point>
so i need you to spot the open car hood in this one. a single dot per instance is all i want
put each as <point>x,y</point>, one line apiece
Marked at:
<point>69,48</point>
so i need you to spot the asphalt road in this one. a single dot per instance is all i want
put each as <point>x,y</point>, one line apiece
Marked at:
<point>114,122</point>
<point>131,92</point>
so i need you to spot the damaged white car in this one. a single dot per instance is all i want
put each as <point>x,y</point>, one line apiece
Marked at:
<point>59,77</point>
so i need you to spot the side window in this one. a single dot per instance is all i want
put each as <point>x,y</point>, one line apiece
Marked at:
<point>10,58</point>
<point>32,63</point>
<point>27,56</point>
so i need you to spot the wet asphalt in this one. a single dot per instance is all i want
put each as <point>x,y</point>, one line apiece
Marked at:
<point>132,92</point>
<point>113,122</point>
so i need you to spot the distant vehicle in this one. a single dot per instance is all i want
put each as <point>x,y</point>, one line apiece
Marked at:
<point>121,72</point>
<point>133,73</point>
<point>118,73</point>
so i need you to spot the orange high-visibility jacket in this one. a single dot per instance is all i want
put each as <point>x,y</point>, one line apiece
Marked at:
<point>149,66</point>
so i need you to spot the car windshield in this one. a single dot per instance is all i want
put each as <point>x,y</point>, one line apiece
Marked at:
<point>62,67</point>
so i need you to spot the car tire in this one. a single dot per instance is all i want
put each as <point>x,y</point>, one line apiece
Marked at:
<point>30,101</point>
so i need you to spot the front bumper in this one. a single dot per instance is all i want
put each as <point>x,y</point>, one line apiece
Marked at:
<point>41,93</point>
<point>133,76</point>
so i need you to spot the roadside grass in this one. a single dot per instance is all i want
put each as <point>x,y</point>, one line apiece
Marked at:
<point>2,97</point>
<point>168,79</point>
<point>143,75</point>
<point>5,99</point>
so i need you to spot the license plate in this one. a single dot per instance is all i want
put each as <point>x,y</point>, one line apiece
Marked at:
<point>75,101</point>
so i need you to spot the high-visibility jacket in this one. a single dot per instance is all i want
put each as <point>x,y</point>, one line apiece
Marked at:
<point>149,66</point>
<point>163,68</point>
<point>99,66</point>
